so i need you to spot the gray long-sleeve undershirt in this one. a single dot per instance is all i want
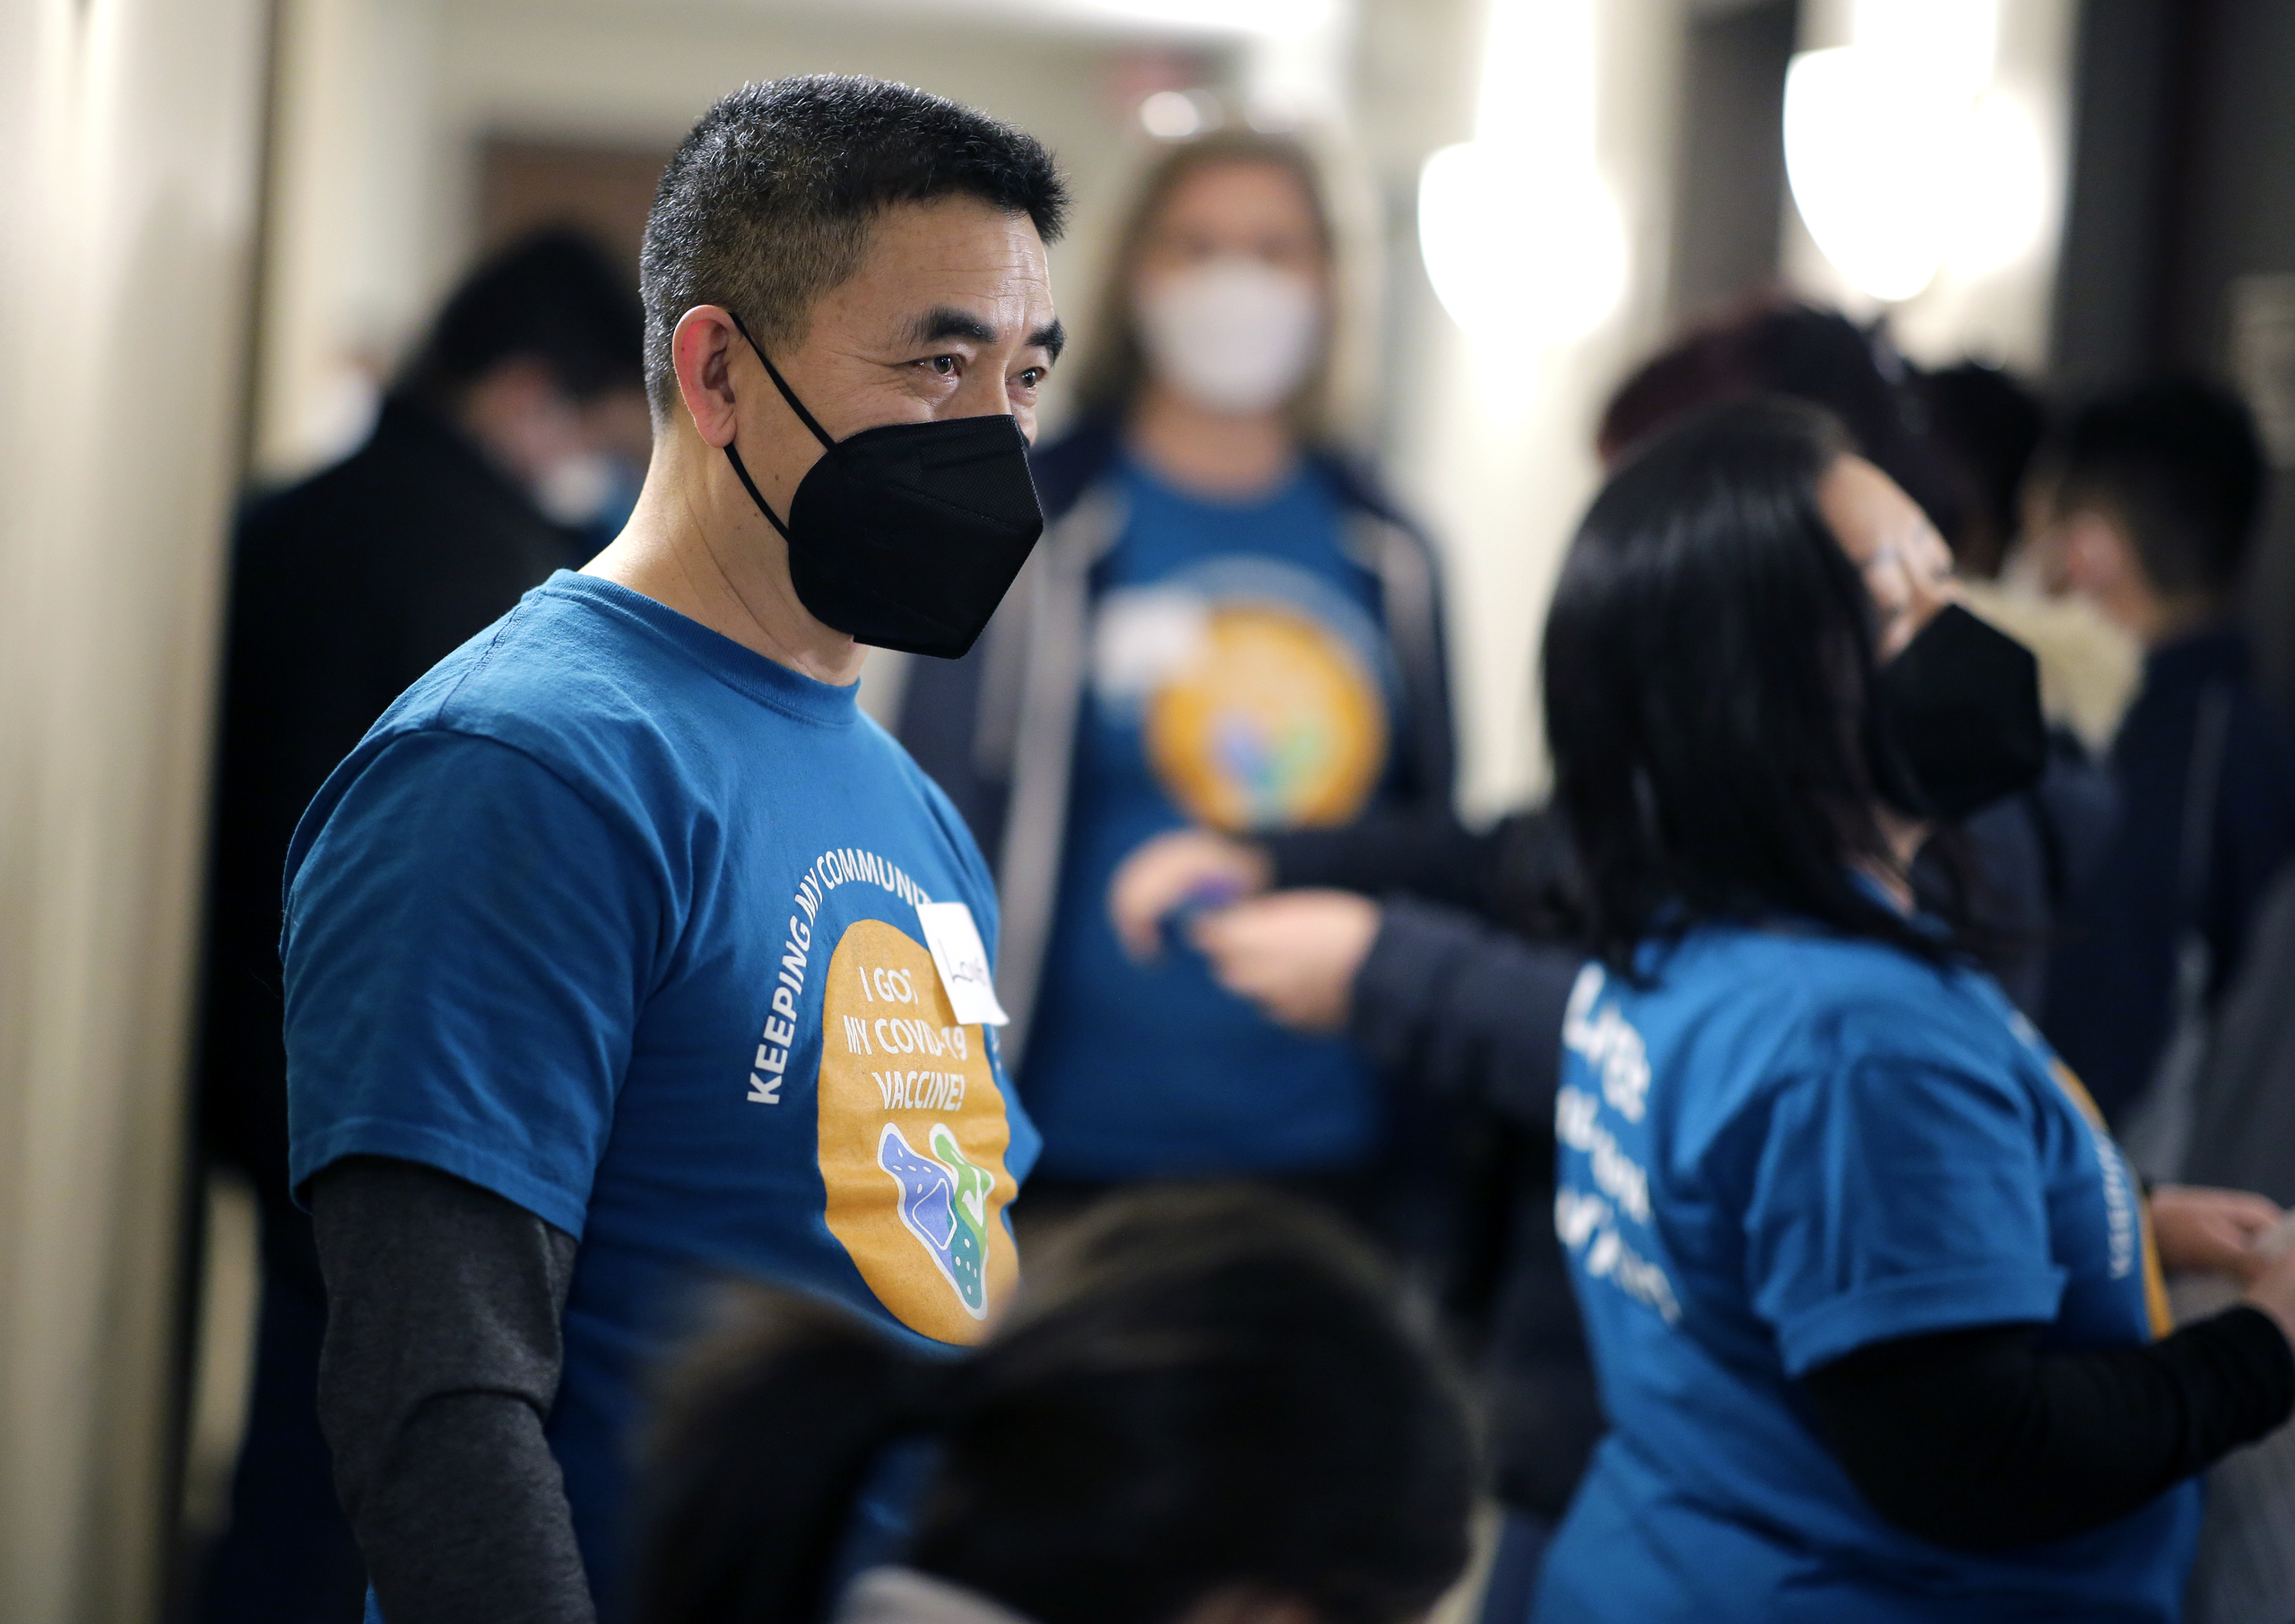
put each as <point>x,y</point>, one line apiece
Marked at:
<point>441,1363</point>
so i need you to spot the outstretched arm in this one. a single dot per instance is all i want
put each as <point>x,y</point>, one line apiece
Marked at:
<point>1434,997</point>
<point>1978,1441</point>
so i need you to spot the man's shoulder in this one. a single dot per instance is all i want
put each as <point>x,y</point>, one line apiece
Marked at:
<point>583,693</point>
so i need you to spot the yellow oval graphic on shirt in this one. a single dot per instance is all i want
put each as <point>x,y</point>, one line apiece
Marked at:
<point>1273,724</point>
<point>912,1136</point>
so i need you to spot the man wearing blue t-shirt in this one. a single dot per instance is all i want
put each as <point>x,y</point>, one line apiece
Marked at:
<point>624,953</point>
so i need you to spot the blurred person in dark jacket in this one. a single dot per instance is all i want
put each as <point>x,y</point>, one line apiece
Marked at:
<point>1225,626</point>
<point>493,461</point>
<point>2157,493</point>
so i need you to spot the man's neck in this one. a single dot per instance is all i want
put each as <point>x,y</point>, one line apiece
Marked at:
<point>696,544</point>
<point>1209,453</point>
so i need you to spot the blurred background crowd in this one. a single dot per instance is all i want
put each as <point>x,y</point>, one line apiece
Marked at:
<point>1364,296</point>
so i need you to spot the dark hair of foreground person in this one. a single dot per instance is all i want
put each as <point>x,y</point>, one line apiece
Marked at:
<point>1214,1398</point>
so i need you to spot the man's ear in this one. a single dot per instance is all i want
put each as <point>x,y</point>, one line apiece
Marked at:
<point>701,352</point>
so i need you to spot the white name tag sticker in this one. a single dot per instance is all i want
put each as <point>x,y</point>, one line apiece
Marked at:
<point>962,962</point>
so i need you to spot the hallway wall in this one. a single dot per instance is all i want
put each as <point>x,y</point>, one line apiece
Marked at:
<point>129,138</point>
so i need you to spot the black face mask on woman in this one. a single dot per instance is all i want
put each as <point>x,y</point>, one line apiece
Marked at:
<point>906,535</point>
<point>1954,722</point>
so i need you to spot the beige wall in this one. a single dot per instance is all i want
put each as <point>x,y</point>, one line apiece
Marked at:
<point>387,101</point>
<point>128,139</point>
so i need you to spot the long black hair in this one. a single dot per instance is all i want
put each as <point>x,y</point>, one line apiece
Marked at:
<point>1215,1392</point>
<point>1707,659</point>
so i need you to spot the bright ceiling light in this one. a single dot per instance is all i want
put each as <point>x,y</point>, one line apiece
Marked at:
<point>1898,165</point>
<point>2004,197</point>
<point>1872,152</point>
<point>1947,42</point>
<point>1171,116</point>
<point>1513,247</point>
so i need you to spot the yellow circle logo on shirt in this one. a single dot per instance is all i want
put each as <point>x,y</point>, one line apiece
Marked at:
<point>1273,724</point>
<point>912,1136</point>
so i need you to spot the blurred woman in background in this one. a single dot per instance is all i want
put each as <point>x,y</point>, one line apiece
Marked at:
<point>1213,1416</point>
<point>1224,626</point>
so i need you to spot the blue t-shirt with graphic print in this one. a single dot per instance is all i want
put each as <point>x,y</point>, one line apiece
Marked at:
<point>1240,679</point>
<point>619,920</point>
<point>1786,1147</point>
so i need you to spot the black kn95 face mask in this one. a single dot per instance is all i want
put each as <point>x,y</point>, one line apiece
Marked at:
<point>1954,720</point>
<point>906,535</point>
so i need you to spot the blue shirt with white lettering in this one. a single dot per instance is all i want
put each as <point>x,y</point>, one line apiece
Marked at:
<point>1785,1147</point>
<point>619,920</point>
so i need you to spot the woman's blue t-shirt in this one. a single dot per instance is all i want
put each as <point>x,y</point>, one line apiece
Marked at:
<point>1786,1147</point>
<point>619,920</point>
<point>1239,679</point>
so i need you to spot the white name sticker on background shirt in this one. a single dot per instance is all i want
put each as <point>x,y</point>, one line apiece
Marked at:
<point>963,962</point>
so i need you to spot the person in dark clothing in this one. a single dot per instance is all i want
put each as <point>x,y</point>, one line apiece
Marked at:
<point>345,588</point>
<point>2157,494</point>
<point>1873,1298</point>
<point>1453,985</point>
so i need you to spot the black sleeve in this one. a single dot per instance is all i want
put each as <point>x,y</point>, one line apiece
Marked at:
<point>1977,1439</point>
<point>440,1364</point>
<point>1447,1003</point>
<point>1429,854</point>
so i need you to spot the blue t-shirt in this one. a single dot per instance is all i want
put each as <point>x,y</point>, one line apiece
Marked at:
<point>617,918</point>
<point>1241,680</point>
<point>1790,1146</point>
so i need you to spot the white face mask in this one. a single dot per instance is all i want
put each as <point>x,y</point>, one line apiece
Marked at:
<point>575,489</point>
<point>1233,334</point>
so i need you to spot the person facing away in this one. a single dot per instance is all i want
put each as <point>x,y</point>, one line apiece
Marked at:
<point>623,950</point>
<point>345,588</point>
<point>1215,1416</point>
<point>2157,494</point>
<point>1874,1301</point>
<point>1225,627</point>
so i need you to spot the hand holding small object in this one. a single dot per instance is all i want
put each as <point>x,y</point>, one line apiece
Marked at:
<point>1295,954</point>
<point>2272,1289</point>
<point>1172,872</point>
<point>2202,1230</point>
